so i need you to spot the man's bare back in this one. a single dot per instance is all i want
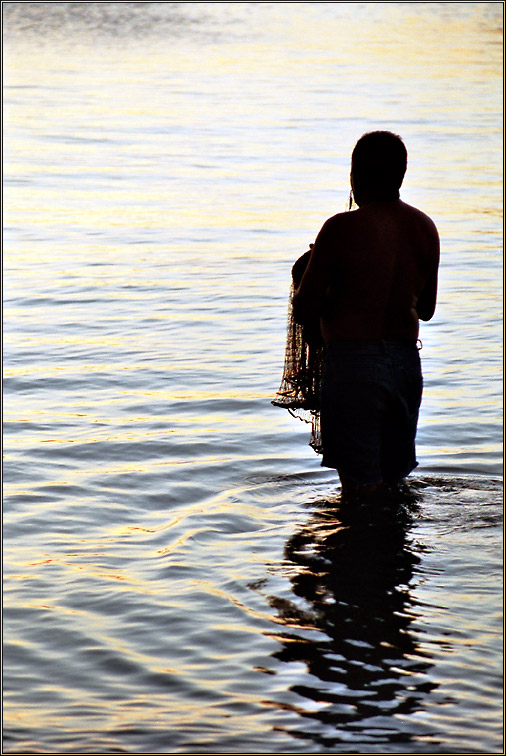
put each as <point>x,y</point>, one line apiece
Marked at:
<point>372,274</point>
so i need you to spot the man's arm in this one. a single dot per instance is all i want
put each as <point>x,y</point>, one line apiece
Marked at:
<point>309,297</point>
<point>426,305</point>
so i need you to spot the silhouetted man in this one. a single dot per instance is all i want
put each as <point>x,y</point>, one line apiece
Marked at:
<point>372,274</point>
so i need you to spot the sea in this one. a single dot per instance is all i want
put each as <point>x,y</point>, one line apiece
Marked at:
<point>180,573</point>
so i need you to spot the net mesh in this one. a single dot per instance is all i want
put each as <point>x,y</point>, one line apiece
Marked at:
<point>299,391</point>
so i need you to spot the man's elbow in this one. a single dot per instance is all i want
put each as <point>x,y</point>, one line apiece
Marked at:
<point>302,311</point>
<point>425,312</point>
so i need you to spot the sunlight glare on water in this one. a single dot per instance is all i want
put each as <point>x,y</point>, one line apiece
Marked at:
<point>179,574</point>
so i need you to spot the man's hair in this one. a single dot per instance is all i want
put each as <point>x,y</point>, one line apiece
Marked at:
<point>379,160</point>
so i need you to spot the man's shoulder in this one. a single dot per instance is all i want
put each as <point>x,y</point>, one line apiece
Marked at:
<point>337,222</point>
<point>342,217</point>
<point>420,216</point>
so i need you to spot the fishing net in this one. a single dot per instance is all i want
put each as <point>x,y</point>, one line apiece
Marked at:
<point>299,391</point>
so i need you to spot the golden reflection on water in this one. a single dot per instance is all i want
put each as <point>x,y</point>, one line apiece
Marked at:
<point>353,51</point>
<point>158,194</point>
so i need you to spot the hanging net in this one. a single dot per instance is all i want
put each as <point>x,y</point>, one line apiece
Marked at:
<point>299,391</point>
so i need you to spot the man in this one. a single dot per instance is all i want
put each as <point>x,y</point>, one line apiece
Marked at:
<point>371,276</point>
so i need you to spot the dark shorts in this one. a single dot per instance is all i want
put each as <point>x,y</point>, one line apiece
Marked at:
<point>370,398</point>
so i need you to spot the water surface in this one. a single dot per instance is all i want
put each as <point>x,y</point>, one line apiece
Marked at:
<point>180,576</point>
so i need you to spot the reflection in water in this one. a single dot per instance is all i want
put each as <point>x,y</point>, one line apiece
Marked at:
<point>354,567</point>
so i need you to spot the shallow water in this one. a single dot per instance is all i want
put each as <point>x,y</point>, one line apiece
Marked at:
<point>179,575</point>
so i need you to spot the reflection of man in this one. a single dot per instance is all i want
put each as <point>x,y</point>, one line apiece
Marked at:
<point>353,567</point>
<point>371,276</point>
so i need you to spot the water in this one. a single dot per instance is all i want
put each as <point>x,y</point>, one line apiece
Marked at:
<point>179,576</point>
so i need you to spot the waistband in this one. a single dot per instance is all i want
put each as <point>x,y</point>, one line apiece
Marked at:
<point>373,346</point>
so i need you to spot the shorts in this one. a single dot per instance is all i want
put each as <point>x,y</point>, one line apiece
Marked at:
<point>370,398</point>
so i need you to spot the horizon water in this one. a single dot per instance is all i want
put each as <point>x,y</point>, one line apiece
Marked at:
<point>179,574</point>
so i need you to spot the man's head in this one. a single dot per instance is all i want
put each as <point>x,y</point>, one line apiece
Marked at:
<point>378,165</point>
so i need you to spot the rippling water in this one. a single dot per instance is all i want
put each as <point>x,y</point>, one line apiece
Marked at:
<point>179,573</point>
